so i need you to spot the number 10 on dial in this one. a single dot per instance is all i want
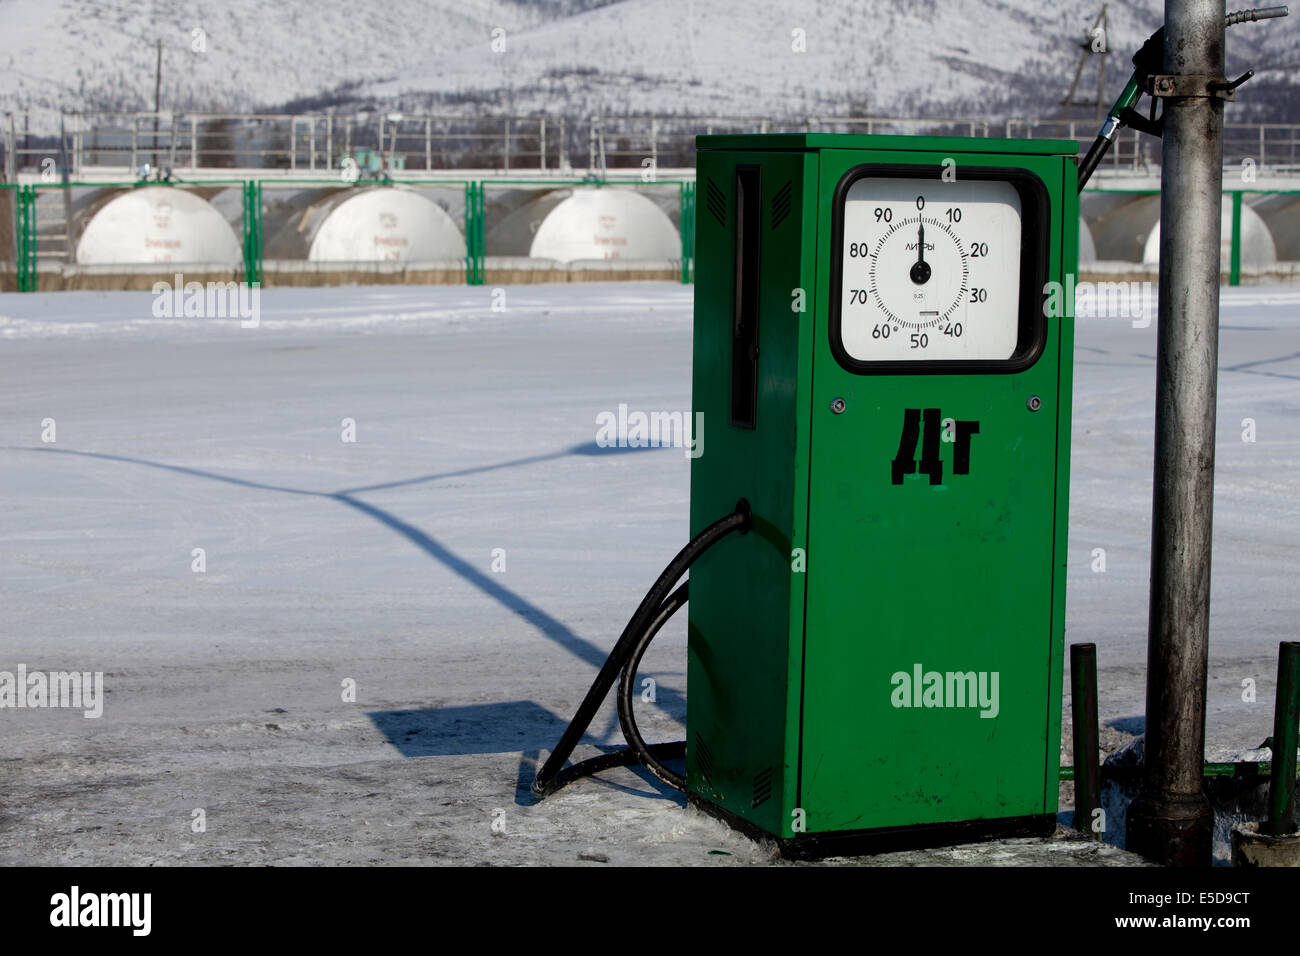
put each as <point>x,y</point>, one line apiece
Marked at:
<point>930,270</point>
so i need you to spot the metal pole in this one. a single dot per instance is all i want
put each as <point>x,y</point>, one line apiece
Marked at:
<point>68,251</point>
<point>157,101</point>
<point>1087,747</point>
<point>1101,64</point>
<point>1281,786</point>
<point>11,160</point>
<point>1171,821</point>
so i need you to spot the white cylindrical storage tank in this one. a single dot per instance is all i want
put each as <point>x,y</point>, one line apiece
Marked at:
<point>1257,248</point>
<point>1120,223</point>
<point>1087,248</point>
<point>157,224</point>
<point>606,223</point>
<point>385,224</point>
<point>1281,213</point>
<point>511,231</point>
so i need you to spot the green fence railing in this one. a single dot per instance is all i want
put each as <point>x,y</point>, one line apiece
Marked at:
<point>26,228</point>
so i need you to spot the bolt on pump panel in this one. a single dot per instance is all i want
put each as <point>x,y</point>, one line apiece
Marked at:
<point>884,369</point>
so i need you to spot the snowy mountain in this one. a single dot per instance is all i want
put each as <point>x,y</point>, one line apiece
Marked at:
<point>703,57</point>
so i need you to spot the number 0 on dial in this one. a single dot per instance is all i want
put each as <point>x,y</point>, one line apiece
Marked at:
<point>936,275</point>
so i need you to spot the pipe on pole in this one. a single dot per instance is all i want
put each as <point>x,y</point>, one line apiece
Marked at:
<point>1087,750</point>
<point>1171,822</point>
<point>1286,716</point>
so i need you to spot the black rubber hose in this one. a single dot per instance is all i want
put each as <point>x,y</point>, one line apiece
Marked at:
<point>637,751</point>
<point>548,779</point>
<point>615,758</point>
<point>1096,153</point>
<point>627,687</point>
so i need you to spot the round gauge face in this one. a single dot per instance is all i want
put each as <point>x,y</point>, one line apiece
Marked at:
<point>930,270</point>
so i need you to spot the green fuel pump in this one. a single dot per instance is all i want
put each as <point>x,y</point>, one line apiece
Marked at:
<point>878,662</point>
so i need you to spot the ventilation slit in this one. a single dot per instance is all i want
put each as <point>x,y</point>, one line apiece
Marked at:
<point>716,201</point>
<point>781,205</point>
<point>762,787</point>
<point>704,758</point>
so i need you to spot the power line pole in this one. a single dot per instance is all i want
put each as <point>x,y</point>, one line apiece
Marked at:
<point>1171,822</point>
<point>1095,42</point>
<point>157,101</point>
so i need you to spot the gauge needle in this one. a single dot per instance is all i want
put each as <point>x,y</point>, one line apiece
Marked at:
<point>920,269</point>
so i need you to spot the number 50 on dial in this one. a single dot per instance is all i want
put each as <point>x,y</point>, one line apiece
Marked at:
<point>934,275</point>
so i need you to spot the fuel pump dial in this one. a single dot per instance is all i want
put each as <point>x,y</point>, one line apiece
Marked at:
<point>934,272</point>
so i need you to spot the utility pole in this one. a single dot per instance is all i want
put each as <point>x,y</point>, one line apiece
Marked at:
<point>157,101</point>
<point>1171,822</point>
<point>1095,42</point>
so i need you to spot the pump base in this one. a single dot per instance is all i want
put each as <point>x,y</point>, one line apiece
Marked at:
<point>816,846</point>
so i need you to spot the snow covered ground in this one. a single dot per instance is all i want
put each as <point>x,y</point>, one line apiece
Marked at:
<point>377,562</point>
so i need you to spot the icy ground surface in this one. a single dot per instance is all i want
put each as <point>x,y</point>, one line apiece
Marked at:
<point>372,561</point>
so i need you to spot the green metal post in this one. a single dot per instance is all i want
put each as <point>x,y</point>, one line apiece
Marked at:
<point>1286,715</point>
<point>688,264</point>
<point>20,238</point>
<point>1234,272</point>
<point>469,233</point>
<point>481,232</point>
<point>257,234</point>
<point>1087,780</point>
<point>683,225</point>
<point>27,239</point>
<point>688,228</point>
<point>474,233</point>
<point>253,232</point>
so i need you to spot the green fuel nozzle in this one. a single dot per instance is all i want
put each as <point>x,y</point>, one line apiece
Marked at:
<point>1147,62</point>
